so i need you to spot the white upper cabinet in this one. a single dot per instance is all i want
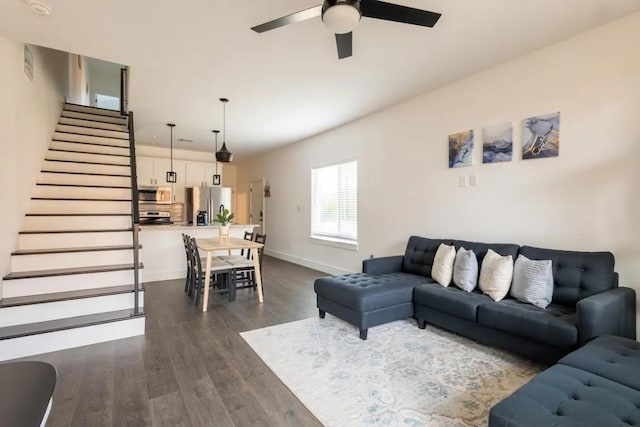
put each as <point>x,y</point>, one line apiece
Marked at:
<point>152,171</point>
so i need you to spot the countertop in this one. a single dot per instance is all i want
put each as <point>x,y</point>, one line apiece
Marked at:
<point>179,226</point>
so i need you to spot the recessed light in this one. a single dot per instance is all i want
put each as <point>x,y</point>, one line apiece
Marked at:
<point>40,7</point>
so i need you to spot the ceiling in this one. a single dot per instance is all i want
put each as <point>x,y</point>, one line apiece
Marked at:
<point>287,85</point>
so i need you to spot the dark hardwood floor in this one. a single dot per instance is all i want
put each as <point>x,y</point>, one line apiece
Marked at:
<point>191,368</point>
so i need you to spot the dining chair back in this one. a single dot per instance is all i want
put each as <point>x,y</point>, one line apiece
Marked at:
<point>221,274</point>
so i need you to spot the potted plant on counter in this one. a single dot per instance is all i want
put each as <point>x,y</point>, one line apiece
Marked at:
<point>224,218</point>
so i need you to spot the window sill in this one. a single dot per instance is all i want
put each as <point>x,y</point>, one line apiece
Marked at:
<point>336,243</point>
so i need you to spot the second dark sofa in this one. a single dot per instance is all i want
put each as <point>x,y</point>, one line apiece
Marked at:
<point>587,301</point>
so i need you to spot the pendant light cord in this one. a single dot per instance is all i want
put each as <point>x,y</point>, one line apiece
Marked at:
<point>171,128</point>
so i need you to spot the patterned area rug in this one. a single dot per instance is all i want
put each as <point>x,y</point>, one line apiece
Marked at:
<point>400,376</point>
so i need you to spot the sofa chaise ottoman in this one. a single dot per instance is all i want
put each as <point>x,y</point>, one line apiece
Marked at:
<point>596,385</point>
<point>586,302</point>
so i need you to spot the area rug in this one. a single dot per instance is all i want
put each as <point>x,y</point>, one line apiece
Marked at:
<point>400,375</point>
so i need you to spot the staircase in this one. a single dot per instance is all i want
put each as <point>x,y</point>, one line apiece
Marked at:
<point>72,280</point>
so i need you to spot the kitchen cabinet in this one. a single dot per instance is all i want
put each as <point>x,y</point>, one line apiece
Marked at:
<point>200,174</point>
<point>179,166</point>
<point>153,171</point>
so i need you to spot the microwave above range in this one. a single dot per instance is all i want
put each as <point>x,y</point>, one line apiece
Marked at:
<point>157,195</point>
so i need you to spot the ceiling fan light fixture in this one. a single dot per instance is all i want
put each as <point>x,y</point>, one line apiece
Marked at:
<point>342,17</point>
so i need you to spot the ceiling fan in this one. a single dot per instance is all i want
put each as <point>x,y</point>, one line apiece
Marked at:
<point>342,16</point>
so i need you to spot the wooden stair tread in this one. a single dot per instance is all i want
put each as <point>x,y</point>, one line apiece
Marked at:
<point>60,150</point>
<point>51,184</point>
<point>77,214</point>
<point>18,331</point>
<point>68,271</point>
<point>72,250</point>
<point>87,173</point>
<point>90,143</point>
<point>88,134</point>
<point>98,230</point>
<point>93,127</point>
<point>67,296</point>
<point>84,162</point>
<point>80,199</point>
<point>97,119</point>
<point>96,108</point>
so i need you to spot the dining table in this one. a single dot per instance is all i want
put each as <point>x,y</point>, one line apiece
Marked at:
<point>211,245</point>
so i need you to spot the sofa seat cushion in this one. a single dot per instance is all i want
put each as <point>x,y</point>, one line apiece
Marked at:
<point>566,396</point>
<point>555,325</point>
<point>615,358</point>
<point>450,300</point>
<point>365,292</point>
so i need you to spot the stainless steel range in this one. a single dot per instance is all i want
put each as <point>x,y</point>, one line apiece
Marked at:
<point>155,217</point>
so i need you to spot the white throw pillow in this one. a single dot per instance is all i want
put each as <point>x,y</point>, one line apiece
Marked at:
<point>465,270</point>
<point>442,269</point>
<point>496,275</point>
<point>533,281</point>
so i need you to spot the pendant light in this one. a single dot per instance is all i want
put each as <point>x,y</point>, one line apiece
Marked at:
<point>172,177</point>
<point>216,177</point>
<point>224,155</point>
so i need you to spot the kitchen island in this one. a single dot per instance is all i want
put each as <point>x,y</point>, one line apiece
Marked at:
<point>163,251</point>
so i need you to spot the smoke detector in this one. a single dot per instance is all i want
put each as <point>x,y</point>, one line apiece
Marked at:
<point>39,7</point>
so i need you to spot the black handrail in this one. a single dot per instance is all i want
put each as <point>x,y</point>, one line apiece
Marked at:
<point>135,214</point>
<point>124,86</point>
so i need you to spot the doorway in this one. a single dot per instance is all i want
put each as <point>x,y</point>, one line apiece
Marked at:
<point>256,205</point>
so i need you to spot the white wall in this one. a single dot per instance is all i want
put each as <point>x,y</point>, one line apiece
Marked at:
<point>104,79</point>
<point>78,80</point>
<point>586,199</point>
<point>29,111</point>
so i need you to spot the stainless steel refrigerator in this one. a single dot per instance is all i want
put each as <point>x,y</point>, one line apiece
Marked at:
<point>209,199</point>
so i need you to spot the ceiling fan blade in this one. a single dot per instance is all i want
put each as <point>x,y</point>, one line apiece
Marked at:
<point>395,12</point>
<point>345,45</point>
<point>303,15</point>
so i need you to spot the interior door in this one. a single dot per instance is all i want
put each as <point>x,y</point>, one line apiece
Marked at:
<point>256,205</point>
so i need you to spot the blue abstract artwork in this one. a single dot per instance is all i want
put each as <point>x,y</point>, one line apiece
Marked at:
<point>497,143</point>
<point>461,149</point>
<point>541,136</point>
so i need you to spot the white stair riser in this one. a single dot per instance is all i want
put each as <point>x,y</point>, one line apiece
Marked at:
<point>86,168</point>
<point>75,282</point>
<point>75,206</point>
<point>98,149</point>
<point>69,260</point>
<point>83,157</point>
<point>94,139</point>
<point>83,192</point>
<point>64,178</point>
<point>34,313</point>
<point>74,240</point>
<point>88,116</point>
<point>43,223</point>
<point>70,338</point>
<point>93,124</point>
<point>91,131</point>
<point>92,110</point>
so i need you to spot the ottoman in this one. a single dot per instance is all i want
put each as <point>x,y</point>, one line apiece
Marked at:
<point>366,300</point>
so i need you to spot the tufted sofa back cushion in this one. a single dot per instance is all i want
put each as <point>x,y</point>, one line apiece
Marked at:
<point>576,275</point>
<point>418,258</point>
<point>480,249</point>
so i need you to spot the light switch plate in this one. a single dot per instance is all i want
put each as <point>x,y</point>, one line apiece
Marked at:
<point>473,180</point>
<point>462,181</point>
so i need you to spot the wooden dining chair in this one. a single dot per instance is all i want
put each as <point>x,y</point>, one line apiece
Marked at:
<point>244,270</point>
<point>187,282</point>
<point>222,277</point>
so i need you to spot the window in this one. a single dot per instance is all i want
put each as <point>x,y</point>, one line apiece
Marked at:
<point>334,203</point>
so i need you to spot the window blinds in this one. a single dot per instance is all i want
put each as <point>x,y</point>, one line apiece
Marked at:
<point>334,212</point>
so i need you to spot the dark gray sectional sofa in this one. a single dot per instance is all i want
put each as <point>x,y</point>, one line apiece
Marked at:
<point>587,301</point>
<point>596,385</point>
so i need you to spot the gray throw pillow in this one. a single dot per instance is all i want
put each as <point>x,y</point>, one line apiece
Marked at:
<point>533,281</point>
<point>465,270</point>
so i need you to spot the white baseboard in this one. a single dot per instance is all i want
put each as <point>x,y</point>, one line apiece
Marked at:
<point>325,268</point>
<point>156,276</point>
